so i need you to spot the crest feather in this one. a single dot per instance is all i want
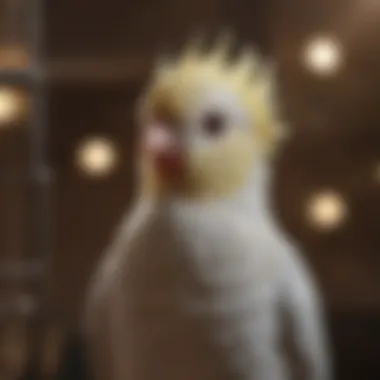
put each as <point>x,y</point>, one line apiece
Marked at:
<point>193,52</point>
<point>220,54</point>
<point>163,65</point>
<point>246,66</point>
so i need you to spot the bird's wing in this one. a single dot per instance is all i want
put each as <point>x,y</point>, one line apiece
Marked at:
<point>304,325</point>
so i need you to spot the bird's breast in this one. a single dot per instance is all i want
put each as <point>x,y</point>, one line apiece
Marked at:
<point>190,289</point>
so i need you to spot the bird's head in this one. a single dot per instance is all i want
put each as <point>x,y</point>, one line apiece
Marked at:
<point>205,121</point>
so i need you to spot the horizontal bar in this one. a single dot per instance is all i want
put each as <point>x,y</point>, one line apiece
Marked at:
<point>43,176</point>
<point>96,71</point>
<point>21,76</point>
<point>21,305</point>
<point>80,71</point>
<point>15,270</point>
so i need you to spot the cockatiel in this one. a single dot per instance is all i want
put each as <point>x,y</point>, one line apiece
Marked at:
<point>200,282</point>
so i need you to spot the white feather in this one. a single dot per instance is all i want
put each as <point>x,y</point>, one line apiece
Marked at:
<point>196,292</point>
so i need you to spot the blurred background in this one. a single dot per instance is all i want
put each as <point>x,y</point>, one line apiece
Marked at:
<point>70,72</point>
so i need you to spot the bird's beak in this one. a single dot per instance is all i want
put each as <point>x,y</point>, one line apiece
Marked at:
<point>164,149</point>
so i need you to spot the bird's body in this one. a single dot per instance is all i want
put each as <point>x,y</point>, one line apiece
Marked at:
<point>199,286</point>
<point>199,289</point>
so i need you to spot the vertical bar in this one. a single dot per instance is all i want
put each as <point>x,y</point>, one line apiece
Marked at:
<point>39,135</point>
<point>39,212</point>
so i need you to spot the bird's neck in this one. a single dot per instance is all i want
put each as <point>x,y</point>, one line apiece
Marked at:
<point>253,198</point>
<point>256,195</point>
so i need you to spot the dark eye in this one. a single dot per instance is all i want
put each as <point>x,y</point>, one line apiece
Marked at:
<point>213,123</point>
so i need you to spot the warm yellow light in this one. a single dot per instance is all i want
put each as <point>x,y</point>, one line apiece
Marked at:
<point>323,56</point>
<point>327,210</point>
<point>12,105</point>
<point>96,157</point>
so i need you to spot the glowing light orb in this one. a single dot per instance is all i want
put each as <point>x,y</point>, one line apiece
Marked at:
<point>323,56</point>
<point>96,157</point>
<point>327,210</point>
<point>12,105</point>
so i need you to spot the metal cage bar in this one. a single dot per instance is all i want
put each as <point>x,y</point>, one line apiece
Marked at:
<point>40,188</point>
<point>39,179</point>
<point>40,173</point>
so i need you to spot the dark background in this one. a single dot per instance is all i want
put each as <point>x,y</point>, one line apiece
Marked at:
<point>98,56</point>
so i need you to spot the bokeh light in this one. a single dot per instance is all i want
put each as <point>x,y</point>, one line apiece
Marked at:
<point>323,56</point>
<point>12,105</point>
<point>327,210</point>
<point>96,157</point>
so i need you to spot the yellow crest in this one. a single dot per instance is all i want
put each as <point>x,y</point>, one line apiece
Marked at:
<point>247,75</point>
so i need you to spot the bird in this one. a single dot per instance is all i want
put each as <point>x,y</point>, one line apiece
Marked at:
<point>200,280</point>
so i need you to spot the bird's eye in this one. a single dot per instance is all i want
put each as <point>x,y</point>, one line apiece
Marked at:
<point>213,124</point>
